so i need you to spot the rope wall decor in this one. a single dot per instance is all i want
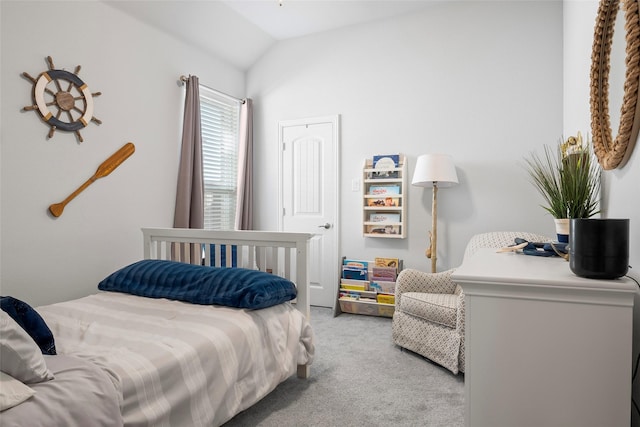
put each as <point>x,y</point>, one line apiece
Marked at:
<point>613,153</point>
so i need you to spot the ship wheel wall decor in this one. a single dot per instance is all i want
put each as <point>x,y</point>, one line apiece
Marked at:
<point>70,98</point>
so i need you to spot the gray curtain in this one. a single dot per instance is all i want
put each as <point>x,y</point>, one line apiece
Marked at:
<point>189,211</point>
<point>244,201</point>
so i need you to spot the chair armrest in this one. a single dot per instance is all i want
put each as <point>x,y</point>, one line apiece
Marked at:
<point>411,280</point>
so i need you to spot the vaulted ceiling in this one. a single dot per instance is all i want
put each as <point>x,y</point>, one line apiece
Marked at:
<point>240,31</point>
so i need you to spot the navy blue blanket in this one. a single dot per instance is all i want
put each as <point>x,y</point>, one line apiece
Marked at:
<point>233,287</point>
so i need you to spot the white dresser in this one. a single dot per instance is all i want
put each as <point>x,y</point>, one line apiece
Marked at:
<point>544,347</point>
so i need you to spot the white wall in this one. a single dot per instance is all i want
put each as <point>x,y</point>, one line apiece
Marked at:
<point>481,81</point>
<point>136,68</point>
<point>620,188</point>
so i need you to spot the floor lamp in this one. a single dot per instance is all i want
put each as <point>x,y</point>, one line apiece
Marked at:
<point>437,171</point>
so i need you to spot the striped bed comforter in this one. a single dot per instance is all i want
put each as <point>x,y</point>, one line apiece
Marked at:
<point>182,364</point>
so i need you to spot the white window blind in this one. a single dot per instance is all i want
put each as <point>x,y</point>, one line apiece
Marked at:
<point>220,118</point>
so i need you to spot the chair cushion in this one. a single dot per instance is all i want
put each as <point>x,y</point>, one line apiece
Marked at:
<point>436,308</point>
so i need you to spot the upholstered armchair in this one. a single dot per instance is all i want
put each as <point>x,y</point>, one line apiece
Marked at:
<point>429,315</point>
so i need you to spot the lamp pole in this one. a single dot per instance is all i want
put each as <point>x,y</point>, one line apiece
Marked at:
<point>433,247</point>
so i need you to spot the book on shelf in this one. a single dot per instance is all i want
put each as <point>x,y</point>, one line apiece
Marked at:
<point>358,293</point>
<point>347,294</point>
<point>354,273</point>
<point>354,281</point>
<point>384,217</point>
<point>385,274</point>
<point>355,263</point>
<point>384,165</point>
<point>383,229</point>
<point>386,299</point>
<point>383,287</point>
<point>349,297</point>
<point>354,287</point>
<point>384,190</point>
<point>355,269</point>
<point>386,262</point>
<point>388,161</point>
<point>393,202</point>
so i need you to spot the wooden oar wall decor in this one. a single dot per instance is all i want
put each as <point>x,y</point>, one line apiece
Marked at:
<point>103,170</point>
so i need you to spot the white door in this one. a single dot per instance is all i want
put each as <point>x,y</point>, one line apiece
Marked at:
<point>309,199</point>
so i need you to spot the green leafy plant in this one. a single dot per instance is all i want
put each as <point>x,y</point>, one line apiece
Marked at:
<point>568,179</point>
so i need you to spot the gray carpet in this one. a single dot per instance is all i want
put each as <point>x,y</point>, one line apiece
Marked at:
<point>359,377</point>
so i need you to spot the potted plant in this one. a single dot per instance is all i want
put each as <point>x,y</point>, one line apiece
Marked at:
<point>568,177</point>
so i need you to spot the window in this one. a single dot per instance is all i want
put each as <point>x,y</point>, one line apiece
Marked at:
<point>220,123</point>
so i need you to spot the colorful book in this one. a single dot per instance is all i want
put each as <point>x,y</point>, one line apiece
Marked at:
<point>355,269</point>
<point>354,282</point>
<point>384,202</point>
<point>383,287</point>
<point>384,165</point>
<point>385,274</point>
<point>384,190</point>
<point>387,161</point>
<point>356,263</point>
<point>354,273</point>
<point>386,299</point>
<point>384,217</point>
<point>349,294</point>
<point>368,295</point>
<point>383,229</point>
<point>387,262</point>
<point>353,287</point>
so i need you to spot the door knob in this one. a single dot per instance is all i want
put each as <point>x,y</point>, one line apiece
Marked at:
<point>326,225</point>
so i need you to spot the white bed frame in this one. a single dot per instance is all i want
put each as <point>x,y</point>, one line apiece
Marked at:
<point>283,253</point>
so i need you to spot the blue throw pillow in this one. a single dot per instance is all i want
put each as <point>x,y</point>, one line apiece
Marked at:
<point>197,284</point>
<point>29,319</point>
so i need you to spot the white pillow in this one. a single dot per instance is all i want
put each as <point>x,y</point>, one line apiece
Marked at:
<point>20,356</point>
<point>13,392</point>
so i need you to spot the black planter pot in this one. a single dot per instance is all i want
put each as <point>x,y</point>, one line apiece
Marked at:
<point>599,248</point>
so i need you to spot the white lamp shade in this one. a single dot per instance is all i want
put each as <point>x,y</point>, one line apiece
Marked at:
<point>437,168</point>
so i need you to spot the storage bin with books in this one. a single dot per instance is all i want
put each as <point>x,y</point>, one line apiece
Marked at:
<point>368,287</point>
<point>384,186</point>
